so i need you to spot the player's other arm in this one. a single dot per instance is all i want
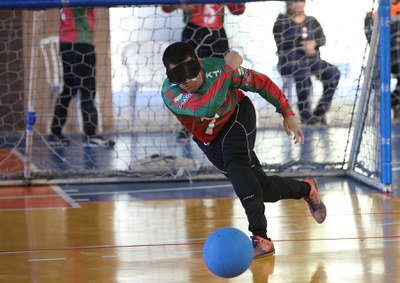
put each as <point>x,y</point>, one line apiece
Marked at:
<point>250,80</point>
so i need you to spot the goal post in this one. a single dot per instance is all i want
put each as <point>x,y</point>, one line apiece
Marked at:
<point>385,87</point>
<point>374,106</point>
<point>130,37</point>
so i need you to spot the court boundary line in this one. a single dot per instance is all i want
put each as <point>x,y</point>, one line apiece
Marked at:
<point>3,252</point>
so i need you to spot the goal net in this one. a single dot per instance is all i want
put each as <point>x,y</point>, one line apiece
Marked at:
<point>129,40</point>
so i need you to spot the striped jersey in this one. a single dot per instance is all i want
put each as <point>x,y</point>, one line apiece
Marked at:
<point>77,25</point>
<point>208,15</point>
<point>205,112</point>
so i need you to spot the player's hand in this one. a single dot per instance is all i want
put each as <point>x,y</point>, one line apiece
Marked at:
<point>290,125</point>
<point>233,59</point>
<point>309,47</point>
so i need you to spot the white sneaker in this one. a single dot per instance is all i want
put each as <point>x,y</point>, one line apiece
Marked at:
<point>98,141</point>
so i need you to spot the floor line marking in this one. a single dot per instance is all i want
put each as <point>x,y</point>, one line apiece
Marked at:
<point>82,200</point>
<point>30,197</point>
<point>18,154</point>
<point>153,190</point>
<point>194,243</point>
<point>47,259</point>
<point>65,196</point>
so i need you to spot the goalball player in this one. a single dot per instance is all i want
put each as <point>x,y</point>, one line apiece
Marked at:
<point>207,96</point>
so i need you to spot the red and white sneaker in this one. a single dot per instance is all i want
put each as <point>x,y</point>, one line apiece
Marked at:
<point>262,247</point>
<point>316,206</point>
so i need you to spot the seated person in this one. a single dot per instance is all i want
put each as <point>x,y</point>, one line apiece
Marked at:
<point>298,38</point>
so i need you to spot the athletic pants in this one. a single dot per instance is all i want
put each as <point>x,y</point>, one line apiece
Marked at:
<point>207,42</point>
<point>79,61</point>
<point>232,153</point>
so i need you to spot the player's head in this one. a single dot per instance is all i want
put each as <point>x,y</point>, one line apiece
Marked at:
<point>177,53</point>
<point>183,66</point>
<point>295,7</point>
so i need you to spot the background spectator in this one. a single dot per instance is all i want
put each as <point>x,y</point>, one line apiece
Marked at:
<point>298,38</point>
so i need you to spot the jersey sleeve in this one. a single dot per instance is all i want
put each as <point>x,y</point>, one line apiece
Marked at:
<point>250,80</point>
<point>319,33</point>
<point>197,104</point>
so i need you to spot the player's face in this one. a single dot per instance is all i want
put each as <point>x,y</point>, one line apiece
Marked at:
<point>187,75</point>
<point>296,7</point>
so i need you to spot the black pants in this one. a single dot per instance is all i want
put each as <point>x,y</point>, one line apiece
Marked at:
<point>79,63</point>
<point>233,154</point>
<point>206,42</point>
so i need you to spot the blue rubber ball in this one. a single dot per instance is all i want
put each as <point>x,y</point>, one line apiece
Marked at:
<point>228,252</point>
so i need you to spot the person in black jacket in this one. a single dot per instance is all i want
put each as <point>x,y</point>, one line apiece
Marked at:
<point>298,38</point>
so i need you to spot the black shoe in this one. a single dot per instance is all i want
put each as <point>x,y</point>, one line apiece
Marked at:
<point>98,141</point>
<point>317,120</point>
<point>58,140</point>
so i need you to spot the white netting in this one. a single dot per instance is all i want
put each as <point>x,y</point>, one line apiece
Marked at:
<point>129,44</point>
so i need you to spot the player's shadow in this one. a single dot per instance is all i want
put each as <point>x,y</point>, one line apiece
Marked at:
<point>319,275</point>
<point>262,268</point>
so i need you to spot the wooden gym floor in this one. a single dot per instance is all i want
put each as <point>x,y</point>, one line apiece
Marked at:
<point>154,232</point>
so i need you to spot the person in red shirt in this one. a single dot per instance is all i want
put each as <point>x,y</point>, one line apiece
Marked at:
<point>79,71</point>
<point>208,97</point>
<point>204,30</point>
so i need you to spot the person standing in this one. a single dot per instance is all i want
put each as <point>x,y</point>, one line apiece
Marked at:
<point>79,74</point>
<point>298,38</point>
<point>204,30</point>
<point>208,97</point>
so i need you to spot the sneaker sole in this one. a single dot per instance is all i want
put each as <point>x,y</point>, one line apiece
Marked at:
<point>265,255</point>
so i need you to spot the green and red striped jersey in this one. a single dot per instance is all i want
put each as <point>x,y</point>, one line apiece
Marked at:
<point>207,15</point>
<point>205,112</point>
<point>77,25</point>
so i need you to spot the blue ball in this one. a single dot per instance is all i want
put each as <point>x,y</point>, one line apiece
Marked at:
<point>228,252</point>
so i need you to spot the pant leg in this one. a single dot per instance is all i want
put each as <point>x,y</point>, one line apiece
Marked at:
<point>297,65</point>
<point>69,57</point>
<point>207,42</point>
<point>86,71</point>
<point>232,153</point>
<point>195,36</point>
<point>219,43</point>
<point>329,76</point>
